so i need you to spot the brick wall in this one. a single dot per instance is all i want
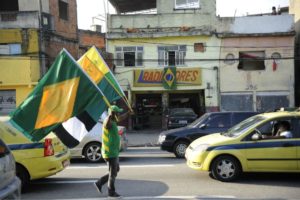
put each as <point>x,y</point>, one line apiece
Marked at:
<point>66,28</point>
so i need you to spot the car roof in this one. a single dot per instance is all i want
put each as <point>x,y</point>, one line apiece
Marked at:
<point>280,114</point>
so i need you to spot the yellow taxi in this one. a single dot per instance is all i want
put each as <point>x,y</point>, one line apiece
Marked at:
<point>34,160</point>
<point>254,145</point>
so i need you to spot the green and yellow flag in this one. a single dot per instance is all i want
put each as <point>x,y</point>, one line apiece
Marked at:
<point>95,66</point>
<point>64,91</point>
<point>169,78</point>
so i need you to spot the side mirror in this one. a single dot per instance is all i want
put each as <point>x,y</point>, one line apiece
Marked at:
<point>202,126</point>
<point>256,137</point>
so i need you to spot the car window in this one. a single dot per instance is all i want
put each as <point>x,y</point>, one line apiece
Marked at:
<point>244,126</point>
<point>270,128</point>
<point>182,111</point>
<point>238,117</point>
<point>219,120</point>
<point>296,128</point>
<point>200,120</point>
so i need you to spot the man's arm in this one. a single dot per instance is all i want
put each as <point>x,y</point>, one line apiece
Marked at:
<point>108,123</point>
<point>124,116</point>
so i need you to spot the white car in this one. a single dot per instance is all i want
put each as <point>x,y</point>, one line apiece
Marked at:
<point>10,184</point>
<point>90,146</point>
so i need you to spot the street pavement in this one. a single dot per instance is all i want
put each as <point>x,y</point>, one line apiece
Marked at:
<point>143,138</point>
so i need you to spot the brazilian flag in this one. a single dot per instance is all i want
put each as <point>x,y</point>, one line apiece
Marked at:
<point>64,92</point>
<point>169,78</point>
<point>95,66</point>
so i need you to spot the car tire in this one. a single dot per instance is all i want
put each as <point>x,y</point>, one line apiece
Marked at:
<point>180,148</point>
<point>23,175</point>
<point>92,152</point>
<point>226,168</point>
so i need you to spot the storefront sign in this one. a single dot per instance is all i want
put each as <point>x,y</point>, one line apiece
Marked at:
<point>152,78</point>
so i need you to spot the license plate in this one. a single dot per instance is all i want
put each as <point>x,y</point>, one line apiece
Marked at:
<point>66,163</point>
<point>182,122</point>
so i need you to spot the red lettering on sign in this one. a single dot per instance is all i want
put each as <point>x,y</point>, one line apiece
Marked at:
<point>146,74</point>
<point>188,76</point>
<point>195,75</point>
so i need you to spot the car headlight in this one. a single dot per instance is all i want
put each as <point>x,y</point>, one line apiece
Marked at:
<point>162,138</point>
<point>200,147</point>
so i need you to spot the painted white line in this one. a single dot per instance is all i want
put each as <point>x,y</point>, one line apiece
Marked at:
<point>122,166</point>
<point>171,197</point>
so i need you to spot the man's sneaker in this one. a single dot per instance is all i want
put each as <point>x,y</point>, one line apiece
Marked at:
<point>114,195</point>
<point>98,186</point>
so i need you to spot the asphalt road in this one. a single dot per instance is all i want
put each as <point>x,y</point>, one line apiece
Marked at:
<point>148,173</point>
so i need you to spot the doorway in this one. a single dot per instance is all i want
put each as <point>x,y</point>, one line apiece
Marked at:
<point>148,111</point>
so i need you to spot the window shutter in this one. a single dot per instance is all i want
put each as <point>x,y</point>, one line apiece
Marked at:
<point>139,61</point>
<point>166,58</point>
<point>119,57</point>
<point>161,56</point>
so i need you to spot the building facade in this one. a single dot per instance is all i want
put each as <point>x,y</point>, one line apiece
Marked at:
<point>146,45</point>
<point>32,33</point>
<point>294,9</point>
<point>257,69</point>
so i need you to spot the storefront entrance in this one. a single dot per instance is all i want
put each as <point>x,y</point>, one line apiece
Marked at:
<point>148,111</point>
<point>188,100</point>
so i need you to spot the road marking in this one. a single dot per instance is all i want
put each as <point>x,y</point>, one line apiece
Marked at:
<point>122,166</point>
<point>171,197</point>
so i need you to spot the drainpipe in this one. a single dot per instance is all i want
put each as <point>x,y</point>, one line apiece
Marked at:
<point>218,85</point>
<point>41,43</point>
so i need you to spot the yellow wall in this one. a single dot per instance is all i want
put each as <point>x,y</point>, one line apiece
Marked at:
<point>20,72</point>
<point>27,38</point>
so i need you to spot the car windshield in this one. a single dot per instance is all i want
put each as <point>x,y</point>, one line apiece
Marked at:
<point>243,126</point>
<point>200,120</point>
<point>182,111</point>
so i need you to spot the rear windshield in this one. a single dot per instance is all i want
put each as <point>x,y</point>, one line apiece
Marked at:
<point>182,111</point>
<point>3,149</point>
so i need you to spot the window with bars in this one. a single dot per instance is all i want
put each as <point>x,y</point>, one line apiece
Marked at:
<point>129,56</point>
<point>187,4</point>
<point>171,55</point>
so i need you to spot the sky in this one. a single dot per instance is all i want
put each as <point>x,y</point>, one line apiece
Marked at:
<point>87,9</point>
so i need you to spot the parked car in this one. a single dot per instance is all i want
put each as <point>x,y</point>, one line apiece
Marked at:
<point>90,146</point>
<point>177,140</point>
<point>35,160</point>
<point>10,184</point>
<point>179,117</point>
<point>246,148</point>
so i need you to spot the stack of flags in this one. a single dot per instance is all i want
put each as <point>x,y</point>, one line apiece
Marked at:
<point>69,99</point>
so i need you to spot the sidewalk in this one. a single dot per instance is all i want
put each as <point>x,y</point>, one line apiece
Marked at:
<point>142,138</point>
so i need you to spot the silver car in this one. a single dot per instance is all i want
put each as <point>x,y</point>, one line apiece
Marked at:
<point>90,146</point>
<point>10,184</point>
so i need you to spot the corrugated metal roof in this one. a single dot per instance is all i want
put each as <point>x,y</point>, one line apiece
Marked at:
<point>123,6</point>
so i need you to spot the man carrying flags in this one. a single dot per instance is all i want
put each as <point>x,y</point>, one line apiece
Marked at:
<point>110,150</point>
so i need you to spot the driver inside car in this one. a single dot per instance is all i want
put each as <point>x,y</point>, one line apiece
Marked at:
<point>281,129</point>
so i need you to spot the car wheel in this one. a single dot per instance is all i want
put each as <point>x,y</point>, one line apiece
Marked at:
<point>180,148</point>
<point>23,175</point>
<point>92,152</point>
<point>226,168</point>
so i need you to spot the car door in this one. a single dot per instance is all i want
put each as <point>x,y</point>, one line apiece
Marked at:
<point>272,154</point>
